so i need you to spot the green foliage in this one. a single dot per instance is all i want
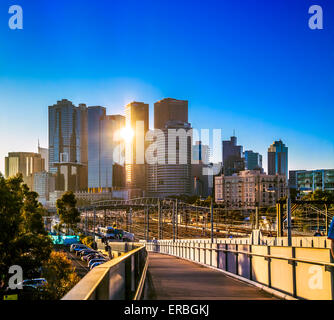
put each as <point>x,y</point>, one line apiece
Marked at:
<point>67,211</point>
<point>60,275</point>
<point>88,241</point>
<point>23,240</point>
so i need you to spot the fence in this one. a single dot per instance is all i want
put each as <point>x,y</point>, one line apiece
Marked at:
<point>122,278</point>
<point>300,272</point>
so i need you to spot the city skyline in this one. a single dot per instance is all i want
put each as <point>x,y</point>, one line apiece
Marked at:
<point>247,71</point>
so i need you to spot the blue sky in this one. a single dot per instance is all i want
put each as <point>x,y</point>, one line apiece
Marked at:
<point>252,66</point>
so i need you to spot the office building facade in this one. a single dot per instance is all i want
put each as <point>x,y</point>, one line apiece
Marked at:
<point>44,183</point>
<point>253,160</point>
<point>137,120</point>
<point>278,159</point>
<point>68,154</point>
<point>170,174</point>
<point>26,163</point>
<point>233,162</point>
<point>170,110</point>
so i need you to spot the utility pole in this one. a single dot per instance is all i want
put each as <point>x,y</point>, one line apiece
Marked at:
<point>211,220</point>
<point>159,220</point>
<point>130,220</point>
<point>173,221</point>
<point>326,218</point>
<point>94,221</point>
<point>257,217</point>
<point>177,218</point>
<point>288,205</point>
<point>148,224</point>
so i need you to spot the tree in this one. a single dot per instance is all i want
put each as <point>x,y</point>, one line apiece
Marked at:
<point>23,240</point>
<point>67,211</point>
<point>60,276</point>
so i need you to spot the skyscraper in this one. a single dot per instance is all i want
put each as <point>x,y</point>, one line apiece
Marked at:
<point>112,172</point>
<point>232,157</point>
<point>253,160</point>
<point>94,116</point>
<point>169,110</point>
<point>137,124</point>
<point>105,147</point>
<point>278,159</point>
<point>171,173</point>
<point>68,145</point>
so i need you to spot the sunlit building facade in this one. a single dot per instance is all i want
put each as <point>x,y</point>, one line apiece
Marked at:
<point>170,173</point>
<point>26,163</point>
<point>250,188</point>
<point>137,125</point>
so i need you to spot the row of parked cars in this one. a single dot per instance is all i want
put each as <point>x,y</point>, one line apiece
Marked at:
<point>93,257</point>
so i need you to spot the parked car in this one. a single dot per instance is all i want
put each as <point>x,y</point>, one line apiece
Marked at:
<point>36,283</point>
<point>86,251</point>
<point>97,256</point>
<point>77,250</point>
<point>95,265</point>
<point>96,260</point>
<point>74,247</point>
<point>91,255</point>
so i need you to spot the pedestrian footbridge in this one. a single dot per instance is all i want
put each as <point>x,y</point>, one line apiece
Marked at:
<point>202,270</point>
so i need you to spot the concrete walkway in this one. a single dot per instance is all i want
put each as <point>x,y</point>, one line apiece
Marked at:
<point>171,278</point>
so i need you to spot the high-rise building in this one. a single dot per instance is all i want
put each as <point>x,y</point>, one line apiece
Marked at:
<point>170,110</point>
<point>94,116</point>
<point>112,171</point>
<point>201,179</point>
<point>26,163</point>
<point>278,159</point>
<point>105,147</point>
<point>170,174</point>
<point>137,125</point>
<point>68,156</point>
<point>250,188</point>
<point>253,160</point>
<point>232,157</point>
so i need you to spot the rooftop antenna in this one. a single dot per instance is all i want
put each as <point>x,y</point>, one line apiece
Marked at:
<point>233,132</point>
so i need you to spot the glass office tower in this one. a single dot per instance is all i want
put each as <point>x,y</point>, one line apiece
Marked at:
<point>68,145</point>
